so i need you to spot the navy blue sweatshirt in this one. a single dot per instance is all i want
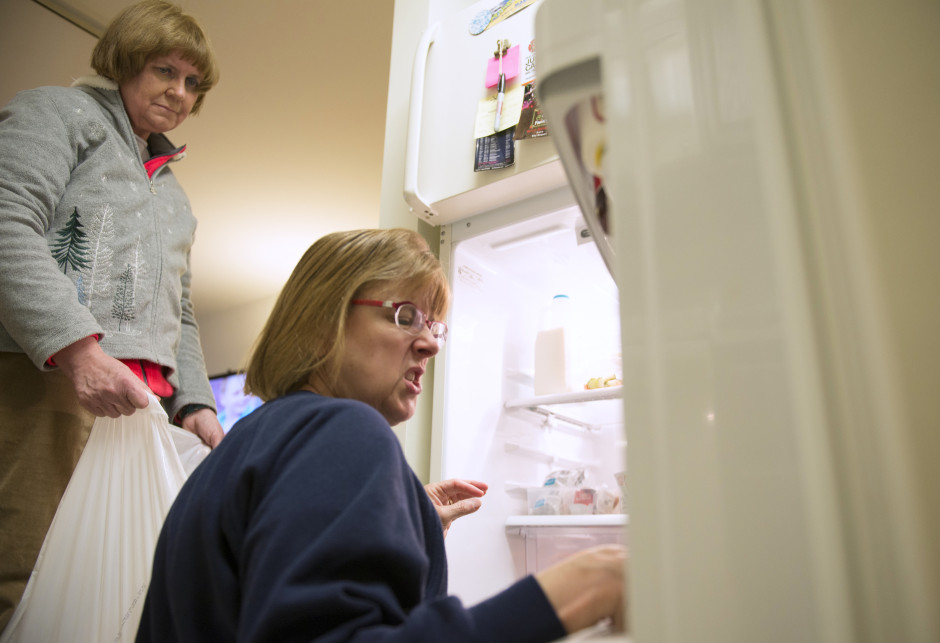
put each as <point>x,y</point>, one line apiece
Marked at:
<point>307,524</point>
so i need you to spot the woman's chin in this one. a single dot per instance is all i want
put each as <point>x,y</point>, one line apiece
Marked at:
<point>400,414</point>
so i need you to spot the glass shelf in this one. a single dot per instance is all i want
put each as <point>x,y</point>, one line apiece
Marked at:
<point>586,395</point>
<point>546,405</point>
<point>590,520</point>
<point>549,458</point>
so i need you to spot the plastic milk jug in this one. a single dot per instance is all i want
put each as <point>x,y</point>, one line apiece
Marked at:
<point>553,349</point>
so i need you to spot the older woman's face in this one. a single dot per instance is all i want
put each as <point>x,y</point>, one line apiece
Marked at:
<point>383,364</point>
<point>161,96</point>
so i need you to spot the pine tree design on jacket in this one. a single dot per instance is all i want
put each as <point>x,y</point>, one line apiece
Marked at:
<point>70,251</point>
<point>96,281</point>
<point>123,307</point>
<point>90,254</point>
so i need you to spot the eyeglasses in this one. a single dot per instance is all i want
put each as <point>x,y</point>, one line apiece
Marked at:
<point>409,317</point>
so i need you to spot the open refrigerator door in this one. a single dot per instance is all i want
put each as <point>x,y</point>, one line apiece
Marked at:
<point>707,162</point>
<point>553,461</point>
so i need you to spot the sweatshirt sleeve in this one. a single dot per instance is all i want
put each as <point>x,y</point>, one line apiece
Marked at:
<point>193,381</point>
<point>39,308</point>
<point>360,562</point>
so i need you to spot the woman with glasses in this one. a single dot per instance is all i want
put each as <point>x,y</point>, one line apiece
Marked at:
<point>95,279</point>
<point>307,523</point>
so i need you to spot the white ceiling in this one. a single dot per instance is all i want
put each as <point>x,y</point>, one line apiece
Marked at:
<point>288,145</point>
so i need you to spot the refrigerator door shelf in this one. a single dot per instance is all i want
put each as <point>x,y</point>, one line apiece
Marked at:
<point>572,103</point>
<point>570,93</point>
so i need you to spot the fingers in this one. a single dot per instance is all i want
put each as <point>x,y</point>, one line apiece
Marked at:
<point>135,395</point>
<point>448,513</point>
<point>587,587</point>
<point>103,385</point>
<point>110,411</point>
<point>113,404</point>
<point>205,424</point>
<point>470,488</point>
<point>454,490</point>
<point>139,397</point>
<point>213,437</point>
<point>455,498</point>
<point>463,508</point>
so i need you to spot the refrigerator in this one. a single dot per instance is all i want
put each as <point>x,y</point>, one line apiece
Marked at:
<point>689,183</point>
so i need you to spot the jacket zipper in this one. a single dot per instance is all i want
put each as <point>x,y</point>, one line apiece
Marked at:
<point>157,163</point>
<point>143,371</point>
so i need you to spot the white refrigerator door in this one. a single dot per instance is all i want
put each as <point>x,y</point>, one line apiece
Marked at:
<point>768,503</point>
<point>448,84</point>
<point>728,540</point>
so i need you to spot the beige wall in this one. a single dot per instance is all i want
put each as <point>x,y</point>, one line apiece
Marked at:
<point>227,336</point>
<point>38,47</point>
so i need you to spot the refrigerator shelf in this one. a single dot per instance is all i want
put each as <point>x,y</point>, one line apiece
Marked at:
<point>586,395</point>
<point>520,523</point>
<point>540,404</point>
<point>548,458</point>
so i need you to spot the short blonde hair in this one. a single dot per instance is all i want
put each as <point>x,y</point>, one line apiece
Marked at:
<point>303,337</point>
<point>149,29</point>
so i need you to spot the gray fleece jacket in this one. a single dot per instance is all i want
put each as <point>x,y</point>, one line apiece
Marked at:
<point>92,239</point>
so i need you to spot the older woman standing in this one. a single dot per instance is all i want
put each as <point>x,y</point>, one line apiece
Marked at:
<point>94,266</point>
<point>307,523</point>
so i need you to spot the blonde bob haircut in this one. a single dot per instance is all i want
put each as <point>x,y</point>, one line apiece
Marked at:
<point>303,339</point>
<point>146,30</point>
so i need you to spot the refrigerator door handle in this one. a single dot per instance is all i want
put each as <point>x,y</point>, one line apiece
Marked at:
<point>413,145</point>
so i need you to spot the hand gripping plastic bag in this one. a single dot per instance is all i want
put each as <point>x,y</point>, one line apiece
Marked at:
<point>92,573</point>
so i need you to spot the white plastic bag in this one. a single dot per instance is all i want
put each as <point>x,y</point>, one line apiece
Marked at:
<point>92,574</point>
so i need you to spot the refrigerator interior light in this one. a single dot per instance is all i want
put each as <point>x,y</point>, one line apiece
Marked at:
<point>528,237</point>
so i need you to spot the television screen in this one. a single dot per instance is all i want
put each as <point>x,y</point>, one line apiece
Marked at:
<point>232,403</point>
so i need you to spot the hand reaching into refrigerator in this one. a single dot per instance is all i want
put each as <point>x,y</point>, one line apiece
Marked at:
<point>588,587</point>
<point>455,498</point>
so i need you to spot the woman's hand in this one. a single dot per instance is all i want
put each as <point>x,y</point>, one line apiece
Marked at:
<point>205,424</point>
<point>104,386</point>
<point>455,498</point>
<point>587,587</point>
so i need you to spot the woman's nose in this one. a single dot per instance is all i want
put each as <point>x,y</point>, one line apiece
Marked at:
<point>427,343</point>
<point>178,88</point>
